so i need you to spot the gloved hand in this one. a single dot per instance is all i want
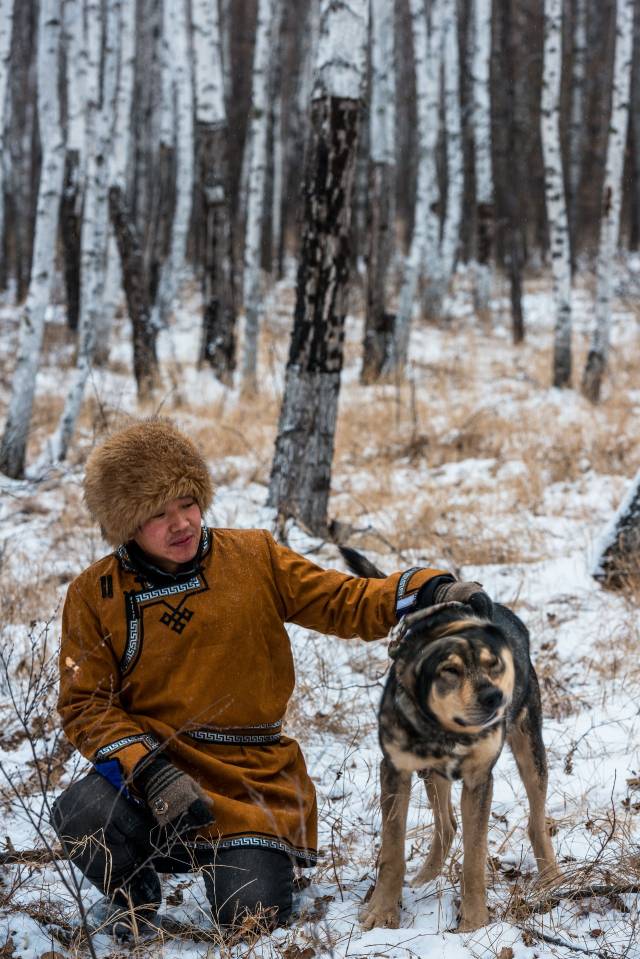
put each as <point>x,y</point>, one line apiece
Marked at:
<point>471,594</point>
<point>446,589</point>
<point>173,797</point>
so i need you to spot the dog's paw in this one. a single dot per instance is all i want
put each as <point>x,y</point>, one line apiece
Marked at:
<point>377,915</point>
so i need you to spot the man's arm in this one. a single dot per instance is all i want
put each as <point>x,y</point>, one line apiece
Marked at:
<point>89,699</point>
<point>332,602</point>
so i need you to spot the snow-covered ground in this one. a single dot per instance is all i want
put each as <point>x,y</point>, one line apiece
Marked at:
<point>473,463</point>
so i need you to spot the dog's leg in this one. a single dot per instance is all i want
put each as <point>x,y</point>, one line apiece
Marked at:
<point>476,805</point>
<point>444,827</point>
<point>383,909</point>
<point>525,740</point>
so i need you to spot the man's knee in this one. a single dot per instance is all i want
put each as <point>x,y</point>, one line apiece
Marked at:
<point>250,882</point>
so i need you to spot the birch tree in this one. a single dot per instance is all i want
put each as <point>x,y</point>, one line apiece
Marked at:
<point>6,26</point>
<point>611,200</point>
<point>454,157</point>
<point>617,553</point>
<point>301,470</point>
<point>16,431</point>
<point>74,173</point>
<point>381,192</point>
<point>577,118</point>
<point>257,167</point>
<point>427,65</point>
<point>481,121</point>
<point>554,191</point>
<point>213,207</point>
<point>95,222</point>
<point>129,250</point>
<point>173,267</point>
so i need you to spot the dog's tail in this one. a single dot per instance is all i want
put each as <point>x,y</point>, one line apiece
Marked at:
<point>359,564</point>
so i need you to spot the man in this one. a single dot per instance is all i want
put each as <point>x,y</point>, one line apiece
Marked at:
<point>175,673</point>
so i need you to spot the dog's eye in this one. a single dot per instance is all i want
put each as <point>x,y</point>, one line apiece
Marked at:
<point>450,672</point>
<point>496,667</point>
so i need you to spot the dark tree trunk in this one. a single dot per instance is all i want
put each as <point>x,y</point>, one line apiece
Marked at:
<point>218,346</point>
<point>378,330</point>
<point>301,471</point>
<point>145,363</point>
<point>70,229</point>
<point>163,200</point>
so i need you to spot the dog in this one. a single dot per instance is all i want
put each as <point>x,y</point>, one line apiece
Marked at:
<point>458,687</point>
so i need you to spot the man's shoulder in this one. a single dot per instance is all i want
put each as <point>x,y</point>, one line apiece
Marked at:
<point>229,541</point>
<point>105,566</point>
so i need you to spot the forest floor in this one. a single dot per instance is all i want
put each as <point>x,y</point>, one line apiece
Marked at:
<point>472,463</point>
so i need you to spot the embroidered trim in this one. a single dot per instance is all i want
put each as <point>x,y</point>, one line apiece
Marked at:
<point>146,738</point>
<point>228,738</point>
<point>404,602</point>
<point>160,592</point>
<point>306,856</point>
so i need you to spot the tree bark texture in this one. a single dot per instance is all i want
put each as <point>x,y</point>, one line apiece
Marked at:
<point>6,27</point>
<point>555,192</point>
<point>454,156</point>
<point>577,119</point>
<point>145,363</point>
<point>218,345</point>
<point>611,201</point>
<point>481,119</point>
<point>301,470</point>
<point>16,432</point>
<point>381,190</point>
<point>256,167</point>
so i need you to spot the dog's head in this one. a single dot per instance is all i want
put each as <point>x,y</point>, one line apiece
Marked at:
<point>457,667</point>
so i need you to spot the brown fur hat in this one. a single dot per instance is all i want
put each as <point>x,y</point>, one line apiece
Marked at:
<point>138,469</point>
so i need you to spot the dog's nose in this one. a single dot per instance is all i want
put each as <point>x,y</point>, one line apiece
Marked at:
<point>490,697</point>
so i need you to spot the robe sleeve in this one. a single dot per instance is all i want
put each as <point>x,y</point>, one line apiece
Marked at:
<point>89,700</point>
<point>329,601</point>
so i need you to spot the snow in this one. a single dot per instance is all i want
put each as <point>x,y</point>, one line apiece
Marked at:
<point>506,510</point>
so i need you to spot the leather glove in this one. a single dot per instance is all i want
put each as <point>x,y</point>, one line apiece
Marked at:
<point>173,797</point>
<point>471,594</point>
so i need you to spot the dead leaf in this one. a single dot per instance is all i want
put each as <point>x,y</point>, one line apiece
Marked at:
<point>8,949</point>
<point>506,953</point>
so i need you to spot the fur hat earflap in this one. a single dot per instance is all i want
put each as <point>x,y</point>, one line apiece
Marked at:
<point>135,471</point>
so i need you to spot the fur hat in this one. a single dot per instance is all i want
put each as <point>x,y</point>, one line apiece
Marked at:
<point>137,470</point>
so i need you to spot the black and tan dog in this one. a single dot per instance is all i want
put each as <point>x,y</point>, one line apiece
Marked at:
<point>459,686</point>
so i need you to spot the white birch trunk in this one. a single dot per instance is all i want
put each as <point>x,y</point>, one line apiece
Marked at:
<point>481,121</point>
<point>577,118</point>
<point>77,67</point>
<point>611,200</point>
<point>14,441</point>
<point>555,192</point>
<point>454,155</point>
<point>431,258</point>
<point>224,12</point>
<point>207,57</point>
<point>257,147</point>
<point>173,267</point>
<point>6,26</point>
<point>278,181</point>
<point>426,74</point>
<point>118,166</point>
<point>95,224</point>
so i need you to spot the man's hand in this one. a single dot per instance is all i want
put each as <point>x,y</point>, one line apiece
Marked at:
<point>173,797</point>
<point>471,594</point>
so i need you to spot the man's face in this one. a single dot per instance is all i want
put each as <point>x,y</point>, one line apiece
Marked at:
<point>172,536</point>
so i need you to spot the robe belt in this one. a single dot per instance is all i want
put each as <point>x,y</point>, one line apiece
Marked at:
<point>262,734</point>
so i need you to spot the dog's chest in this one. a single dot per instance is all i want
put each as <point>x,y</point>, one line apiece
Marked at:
<point>416,756</point>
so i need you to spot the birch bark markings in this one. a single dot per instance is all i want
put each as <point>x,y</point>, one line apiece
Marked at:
<point>6,26</point>
<point>481,121</point>
<point>95,224</point>
<point>454,156</point>
<point>213,207</point>
<point>554,191</point>
<point>577,115</point>
<point>14,440</point>
<point>257,169</point>
<point>381,207</point>
<point>301,470</point>
<point>611,200</point>
<point>400,345</point>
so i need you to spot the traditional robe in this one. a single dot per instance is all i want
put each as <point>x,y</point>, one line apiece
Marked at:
<point>199,664</point>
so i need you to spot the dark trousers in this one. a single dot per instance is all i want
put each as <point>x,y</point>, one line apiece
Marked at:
<point>119,848</point>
